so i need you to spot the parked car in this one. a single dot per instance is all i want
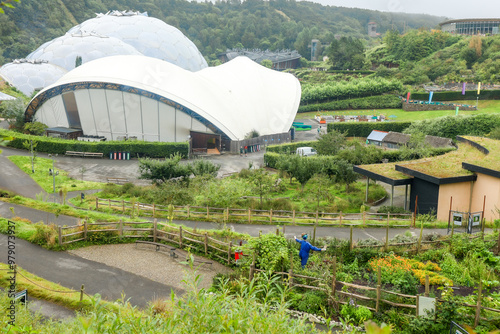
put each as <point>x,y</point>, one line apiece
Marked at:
<point>306,151</point>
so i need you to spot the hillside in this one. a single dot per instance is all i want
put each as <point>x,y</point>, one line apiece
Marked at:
<point>212,27</point>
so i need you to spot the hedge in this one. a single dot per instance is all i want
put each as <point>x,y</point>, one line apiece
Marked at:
<point>371,102</point>
<point>457,95</point>
<point>363,129</point>
<point>60,146</point>
<point>453,126</point>
<point>289,148</point>
<point>271,159</point>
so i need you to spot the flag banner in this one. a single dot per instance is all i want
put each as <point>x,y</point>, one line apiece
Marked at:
<point>463,88</point>
<point>430,96</point>
<point>456,111</point>
<point>478,88</point>
<point>408,97</point>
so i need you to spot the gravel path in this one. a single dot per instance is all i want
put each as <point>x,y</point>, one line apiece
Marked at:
<point>144,261</point>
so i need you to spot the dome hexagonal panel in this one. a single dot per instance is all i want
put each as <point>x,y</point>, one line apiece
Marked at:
<point>30,75</point>
<point>64,50</point>
<point>150,36</point>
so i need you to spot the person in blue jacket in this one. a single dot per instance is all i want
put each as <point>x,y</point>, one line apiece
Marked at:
<point>305,247</point>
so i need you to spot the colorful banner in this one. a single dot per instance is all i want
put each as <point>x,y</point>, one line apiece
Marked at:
<point>478,88</point>
<point>463,88</point>
<point>430,96</point>
<point>456,111</point>
<point>408,97</point>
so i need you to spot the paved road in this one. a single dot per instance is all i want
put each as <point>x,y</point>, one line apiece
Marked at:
<point>72,271</point>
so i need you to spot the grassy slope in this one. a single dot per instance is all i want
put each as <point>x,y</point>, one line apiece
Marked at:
<point>42,177</point>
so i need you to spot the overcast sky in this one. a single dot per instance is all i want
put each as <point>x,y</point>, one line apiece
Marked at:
<point>455,9</point>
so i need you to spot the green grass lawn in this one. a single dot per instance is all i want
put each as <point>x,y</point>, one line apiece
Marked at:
<point>42,177</point>
<point>491,106</point>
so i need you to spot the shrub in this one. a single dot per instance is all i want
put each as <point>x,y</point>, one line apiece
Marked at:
<point>272,250</point>
<point>311,302</point>
<point>358,313</point>
<point>45,235</point>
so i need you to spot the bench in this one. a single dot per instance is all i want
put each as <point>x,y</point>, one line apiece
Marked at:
<point>93,154</point>
<point>84,154</point>
<point>117,180</point>
<point>74,154</point>
<point>157,245</point>
<point>172,250</point>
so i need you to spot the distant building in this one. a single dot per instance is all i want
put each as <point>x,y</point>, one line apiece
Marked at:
<point>282,60</point>
<point>471,26</point>
<point>372,29</point>
<point>396,140</point>
<point>315,49</point>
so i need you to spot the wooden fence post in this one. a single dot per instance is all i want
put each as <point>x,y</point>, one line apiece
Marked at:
<point>364,217</point>
<point>229,253</point>
<point>208,213</point>
<point>227,215</point>
<point>81,292</point>
<point>351,245</point>
<point>121,229</point>
<point>426,293</point>
<point>379,287</point>
<point>388,218</point>
<point>85,230</point>
<point>252,268</point>
<point>270,216</point>
<point>293,217</point>
<point>277,231</point>
<point>109,203</point>
<point>334,277</point>
<point>498,244</point>
<point>206,243</point>
<point>413,219</point>
<point>387,235</point>
<point>180,236</point>
<point>60,236</point>
<point>340,218</point>
<point>478,307</point>
<point>249,215</point>
<point>123,206</point>
<point>97,203</point>
<point>154,210</point>
<point>188,213</point>
<point>314,233</point>
<point>155,227</point>
<point>420,237</point>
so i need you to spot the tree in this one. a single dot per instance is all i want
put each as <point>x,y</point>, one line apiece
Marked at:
<point>320,183</point>
<point>347,53</point>
<point>345,174</point>
<point>262,182</point>
<point>13,112</point>
<point>267,63</point>
<point>330,143</point>
<point>304,168</point>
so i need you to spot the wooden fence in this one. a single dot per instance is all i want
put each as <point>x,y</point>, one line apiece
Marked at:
<point>156,231</point>
<point>256,216</point>
<point>336,291</point>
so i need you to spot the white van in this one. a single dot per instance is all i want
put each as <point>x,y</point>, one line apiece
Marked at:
<point>306,151</point>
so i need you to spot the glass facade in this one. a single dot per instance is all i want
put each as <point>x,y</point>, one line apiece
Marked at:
<point>472,27</point>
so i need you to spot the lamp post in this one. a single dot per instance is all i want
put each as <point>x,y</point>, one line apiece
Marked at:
<point>53,172</point>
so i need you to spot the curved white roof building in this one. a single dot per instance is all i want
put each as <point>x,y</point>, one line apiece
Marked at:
<point>30,75</point>
<point>64,50</point>
<point>150,36</point>
<point>153,100</point>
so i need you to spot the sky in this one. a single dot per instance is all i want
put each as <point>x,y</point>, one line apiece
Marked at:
<point>453,9</point>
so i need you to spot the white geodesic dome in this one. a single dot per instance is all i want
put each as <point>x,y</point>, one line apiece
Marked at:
<point>30,75</point>
<point>64,50</point>
<point>150,36</point>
